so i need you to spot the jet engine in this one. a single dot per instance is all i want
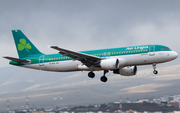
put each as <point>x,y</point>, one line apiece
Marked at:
<point>126,71</point>
<point>112,63</point>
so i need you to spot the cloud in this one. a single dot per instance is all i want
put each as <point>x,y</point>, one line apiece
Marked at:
<point>87,25</point>
<point>145,88</point>
<point>33,96</point>
<point>167,77</point>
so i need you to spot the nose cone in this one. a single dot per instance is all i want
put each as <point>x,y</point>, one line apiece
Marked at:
<point>174,54</point>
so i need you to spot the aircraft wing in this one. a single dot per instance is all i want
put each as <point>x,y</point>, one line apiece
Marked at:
<point>18,60</point>
<point>86,59</point>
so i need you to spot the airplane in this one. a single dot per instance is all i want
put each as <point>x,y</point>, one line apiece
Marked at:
<point>58,98</point>
<point>123,60</point>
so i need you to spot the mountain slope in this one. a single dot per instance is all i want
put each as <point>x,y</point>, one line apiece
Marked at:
<point>77,89</point>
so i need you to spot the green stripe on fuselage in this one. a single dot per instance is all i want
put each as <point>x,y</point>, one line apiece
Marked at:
<point>100,53</point>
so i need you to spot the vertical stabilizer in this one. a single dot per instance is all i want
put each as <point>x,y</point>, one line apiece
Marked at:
<point>24,46</point>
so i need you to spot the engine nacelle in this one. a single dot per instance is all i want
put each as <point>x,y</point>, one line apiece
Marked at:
<point>126,71</point>
<point>113,63</point>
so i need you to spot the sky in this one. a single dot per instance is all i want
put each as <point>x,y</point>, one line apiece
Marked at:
<point>89,24</point>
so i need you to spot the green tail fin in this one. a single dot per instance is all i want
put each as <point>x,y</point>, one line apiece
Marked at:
<point>24,46</point>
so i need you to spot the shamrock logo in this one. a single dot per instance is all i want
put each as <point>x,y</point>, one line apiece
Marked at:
<point>23,45</point>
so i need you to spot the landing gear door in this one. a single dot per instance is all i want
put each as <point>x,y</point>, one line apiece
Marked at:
<point>151,50</point>
<point>41,60</point>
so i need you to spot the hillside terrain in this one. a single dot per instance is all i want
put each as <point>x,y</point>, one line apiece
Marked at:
<point>75,88</point>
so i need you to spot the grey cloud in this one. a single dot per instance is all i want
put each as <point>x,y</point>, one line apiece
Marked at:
<point>85,25</point>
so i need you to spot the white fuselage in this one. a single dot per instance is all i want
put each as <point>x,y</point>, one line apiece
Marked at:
<point>131,60</point>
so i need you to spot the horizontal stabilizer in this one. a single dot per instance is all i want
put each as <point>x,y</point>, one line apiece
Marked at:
<point>18,60</point>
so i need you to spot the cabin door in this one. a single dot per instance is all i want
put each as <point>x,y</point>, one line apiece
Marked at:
<point>41,60</point>
<point>151,50</point>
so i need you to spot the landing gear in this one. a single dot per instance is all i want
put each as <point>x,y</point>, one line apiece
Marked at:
<point>91,74</point>
<point>104,78</point>
<point>155,72</point>
<point>154,67</point>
